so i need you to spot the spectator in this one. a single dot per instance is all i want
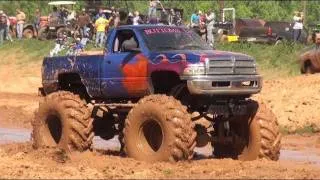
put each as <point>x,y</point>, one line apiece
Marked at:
<point>116,19</point>
<point>59,44</point>
<point>64,14</point>
<point>7,32</point>
<point>202,26</point>
<point>298,25</point>
<point>54,14</point>
<point>152,12</point>
<point>172,17</point>
<point>100,14</point>
<point>76,48</point>
<point>83,21</point>
<point>101,25</point>
<point>194,20</point>
<point>164,18</point>
<point>3,26</point>
<point>210,17</point>
<point>130,19</point>
<point>137,19</point>
<point>20,22</point>
<point>36,22</point>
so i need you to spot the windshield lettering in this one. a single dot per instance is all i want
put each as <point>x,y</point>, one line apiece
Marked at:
<point>161,30</point>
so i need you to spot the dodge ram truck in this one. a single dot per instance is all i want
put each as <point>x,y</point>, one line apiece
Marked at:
<point>162,91</point>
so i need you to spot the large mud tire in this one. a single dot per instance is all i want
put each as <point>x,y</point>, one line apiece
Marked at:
<point>159,128</point>
<point>63,121</point>
<point>261,131</point>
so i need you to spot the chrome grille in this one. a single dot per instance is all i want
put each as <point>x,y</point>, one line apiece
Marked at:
<point>231,65</point>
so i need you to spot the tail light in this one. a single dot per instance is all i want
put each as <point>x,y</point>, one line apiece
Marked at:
<point>269,31</point>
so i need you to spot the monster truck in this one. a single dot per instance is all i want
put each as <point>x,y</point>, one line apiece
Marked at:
<point>310,59</point>
<point>163,91</point>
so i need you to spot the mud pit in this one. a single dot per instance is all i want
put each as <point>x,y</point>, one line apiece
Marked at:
<point>300,155</point>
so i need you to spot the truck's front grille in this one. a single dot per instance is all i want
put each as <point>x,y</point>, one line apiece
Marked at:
<point>231,65</point>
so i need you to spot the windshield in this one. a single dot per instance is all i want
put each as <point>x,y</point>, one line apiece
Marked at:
<point>173,38</point>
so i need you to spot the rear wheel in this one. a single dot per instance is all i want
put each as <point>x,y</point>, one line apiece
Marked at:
<point>63,121</point>
<point>255,137</point>
<point>309,69</point>
<point>159,128</point>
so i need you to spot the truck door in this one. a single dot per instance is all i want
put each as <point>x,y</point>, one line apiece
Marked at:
<point>124,68</point>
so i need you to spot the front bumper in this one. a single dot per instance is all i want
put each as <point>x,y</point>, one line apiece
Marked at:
<point>224,84</point>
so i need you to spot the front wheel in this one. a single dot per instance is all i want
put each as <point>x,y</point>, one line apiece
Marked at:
<point>64,121</point>
<point>255,137</point>
<point>159,128</point>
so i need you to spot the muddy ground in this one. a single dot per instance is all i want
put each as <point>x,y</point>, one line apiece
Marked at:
<point>295,101</point>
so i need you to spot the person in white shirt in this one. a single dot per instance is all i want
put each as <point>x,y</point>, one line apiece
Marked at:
<point>210,17</point>
<point>136,18</point>
<point>298,25</point>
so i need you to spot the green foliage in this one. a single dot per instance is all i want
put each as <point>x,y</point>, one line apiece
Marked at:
<point>273,61</point>
<point>269,10</point>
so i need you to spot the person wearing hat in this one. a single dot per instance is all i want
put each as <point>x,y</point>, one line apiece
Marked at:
<point>297,26</point>
<point>3,26</point>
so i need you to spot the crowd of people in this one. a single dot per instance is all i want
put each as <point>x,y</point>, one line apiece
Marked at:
<point>5,24</point>
<point>201,22</point>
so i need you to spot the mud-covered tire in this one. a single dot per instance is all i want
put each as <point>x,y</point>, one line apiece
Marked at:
<point>172,135</point>
<point>263,137</point>
<point>64,121</point>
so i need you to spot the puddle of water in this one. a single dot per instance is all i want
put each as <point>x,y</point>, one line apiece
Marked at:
<point>300,156</point>
<point>8,135</point>
<point>14,135</point>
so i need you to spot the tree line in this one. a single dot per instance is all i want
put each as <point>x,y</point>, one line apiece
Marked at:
<point>268,10</point>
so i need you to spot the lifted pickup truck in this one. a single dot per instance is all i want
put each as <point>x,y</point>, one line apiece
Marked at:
<point>163,91</point>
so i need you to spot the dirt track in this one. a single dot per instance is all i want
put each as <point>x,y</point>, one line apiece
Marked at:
<point>296,102</point>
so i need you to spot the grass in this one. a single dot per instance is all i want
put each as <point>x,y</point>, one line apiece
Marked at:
<point>273,61</point>
<point>307,129</point>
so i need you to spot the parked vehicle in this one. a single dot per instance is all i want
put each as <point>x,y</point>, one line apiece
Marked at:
<point>272,32</point>
<point>50,27</point>
<point>163,91</point>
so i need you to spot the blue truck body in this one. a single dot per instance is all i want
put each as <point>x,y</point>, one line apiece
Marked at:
<point>128,74</point>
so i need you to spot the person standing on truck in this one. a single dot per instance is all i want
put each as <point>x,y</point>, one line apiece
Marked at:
<point>101,25</point>
<point>21,17</point>
<point>298,25</point>
<point>210,17</point>
<point>3,27</point>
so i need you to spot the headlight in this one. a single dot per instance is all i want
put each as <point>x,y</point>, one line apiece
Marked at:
<point>194,69</point>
